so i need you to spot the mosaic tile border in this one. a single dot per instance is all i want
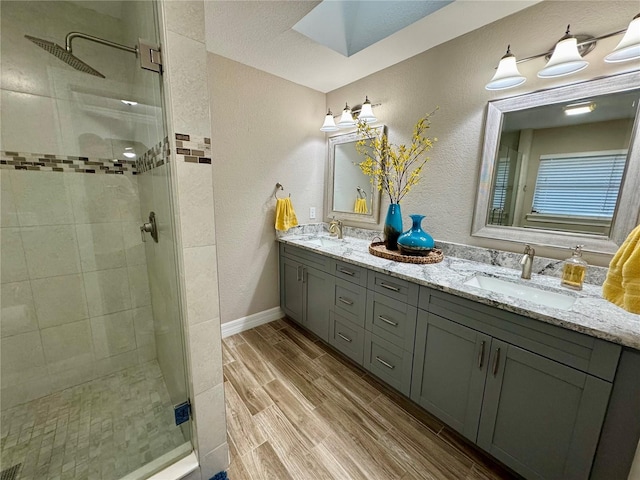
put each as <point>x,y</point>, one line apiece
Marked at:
<point>65,163</point>
<point>192,149</point>
<point>155,157</point>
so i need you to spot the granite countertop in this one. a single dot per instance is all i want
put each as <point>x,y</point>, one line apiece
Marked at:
<point>590,314</point>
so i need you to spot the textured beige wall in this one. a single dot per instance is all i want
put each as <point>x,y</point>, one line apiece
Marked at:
<point>453,76</point>
<point>265,130</point>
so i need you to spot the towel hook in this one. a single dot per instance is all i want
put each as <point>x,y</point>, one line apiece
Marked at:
<point>361,192</point>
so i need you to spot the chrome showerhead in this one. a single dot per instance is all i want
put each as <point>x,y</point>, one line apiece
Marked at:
<point>64,55</point>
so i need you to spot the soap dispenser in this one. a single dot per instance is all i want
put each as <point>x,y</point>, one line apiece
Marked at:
<point>574,270</point>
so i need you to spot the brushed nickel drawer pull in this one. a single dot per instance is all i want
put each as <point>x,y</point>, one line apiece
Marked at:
<point>481,355</point>
<point>346,339</point>
<point>346,272</point>
<point>298,270</point>
<point>386,320</point>
<point>345,301</point>
<point>388,365</point>
<point>496,362</point>
<point>389,287</point>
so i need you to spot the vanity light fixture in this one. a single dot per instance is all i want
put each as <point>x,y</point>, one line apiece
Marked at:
<point>366,112</point>
<point>567,56</point>
<point>361,113</point>
<point>507,75</point>
<point>629,46</point>
<point>329,124</point>
<point>346,120</point>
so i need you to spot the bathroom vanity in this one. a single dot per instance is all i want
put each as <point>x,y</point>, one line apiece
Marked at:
<point>528,383</point>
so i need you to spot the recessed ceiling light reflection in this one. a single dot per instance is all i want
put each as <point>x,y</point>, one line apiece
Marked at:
<point>579,108</point>
<point>128,152</point>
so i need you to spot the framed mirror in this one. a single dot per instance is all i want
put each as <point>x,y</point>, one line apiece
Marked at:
<point>349,194</point>
<point>561,167</point>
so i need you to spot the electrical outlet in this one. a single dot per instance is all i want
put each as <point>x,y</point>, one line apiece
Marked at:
<point>312,213</point>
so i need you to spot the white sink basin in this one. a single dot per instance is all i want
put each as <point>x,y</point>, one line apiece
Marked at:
<point>325,242</point>
<point>530,293</point>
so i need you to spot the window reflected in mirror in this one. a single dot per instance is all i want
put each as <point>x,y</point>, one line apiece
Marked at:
<point>560,167</point>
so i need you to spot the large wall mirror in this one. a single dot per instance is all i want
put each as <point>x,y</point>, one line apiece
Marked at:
<point>349,194</point>
<point>562,167</point>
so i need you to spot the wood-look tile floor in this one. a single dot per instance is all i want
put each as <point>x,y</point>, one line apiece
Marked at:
<point>298,410</point>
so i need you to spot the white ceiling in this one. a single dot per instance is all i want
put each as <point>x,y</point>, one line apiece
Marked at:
<point>259,34</point>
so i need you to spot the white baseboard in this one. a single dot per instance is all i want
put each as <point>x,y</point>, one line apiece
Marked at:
<point>245,323</point>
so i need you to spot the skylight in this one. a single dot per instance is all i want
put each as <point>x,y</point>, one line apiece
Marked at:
<point>349,26</point>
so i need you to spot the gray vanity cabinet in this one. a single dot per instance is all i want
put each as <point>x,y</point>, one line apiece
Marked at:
<point>305,288</point>
<point>532,395</point>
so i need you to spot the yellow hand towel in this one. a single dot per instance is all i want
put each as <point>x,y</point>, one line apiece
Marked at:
<point>622,286</point>
<point>360,206</point>
<point>285,215</point>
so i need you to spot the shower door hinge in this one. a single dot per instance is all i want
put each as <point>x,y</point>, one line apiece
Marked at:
<point>150,56</point>
<point>182,412</point>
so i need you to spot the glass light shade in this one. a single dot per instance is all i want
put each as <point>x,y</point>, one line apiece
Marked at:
<point>565,59</point>
<point>366,112</point>
<point>329,124</point>
<point>346,120</point>
<point>629,46</point>
<point>507,75</point>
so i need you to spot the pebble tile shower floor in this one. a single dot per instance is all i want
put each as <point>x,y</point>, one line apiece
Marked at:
<point>100,430</point>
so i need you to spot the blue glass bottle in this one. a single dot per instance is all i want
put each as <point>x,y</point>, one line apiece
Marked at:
<point>416,241</point>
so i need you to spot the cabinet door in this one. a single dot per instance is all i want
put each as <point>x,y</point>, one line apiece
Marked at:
<point>317,287</point>
<point>540,417</point>
<point>291,298</point>
<point>449,371</point>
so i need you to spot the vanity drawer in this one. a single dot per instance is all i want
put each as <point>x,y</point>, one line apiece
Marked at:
<point>348,272</point>
<point>345,337</point>
<point>388,362</point>
<point>350,301</point>
<point>395,288</point>
<point>392,320</point>
<point>308,258</point>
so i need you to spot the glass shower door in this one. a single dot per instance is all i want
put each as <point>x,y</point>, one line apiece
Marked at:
<point>92,356</point>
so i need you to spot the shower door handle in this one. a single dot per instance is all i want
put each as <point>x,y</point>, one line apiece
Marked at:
<point>150,227</point>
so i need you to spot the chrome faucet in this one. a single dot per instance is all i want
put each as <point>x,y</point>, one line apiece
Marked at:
<point>335,228</point>
<point>527,262</point>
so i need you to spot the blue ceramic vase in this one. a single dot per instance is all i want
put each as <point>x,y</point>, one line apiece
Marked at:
<point>392,226</point>
<point>415,241</point>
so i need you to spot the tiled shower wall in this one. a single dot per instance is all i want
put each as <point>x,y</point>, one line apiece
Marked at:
<point>75,295</point>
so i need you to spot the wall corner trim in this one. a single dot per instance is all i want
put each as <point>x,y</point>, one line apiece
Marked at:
<point>251,321</point>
